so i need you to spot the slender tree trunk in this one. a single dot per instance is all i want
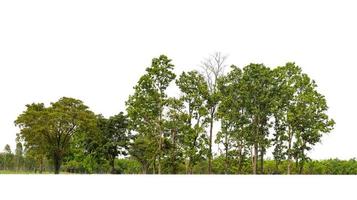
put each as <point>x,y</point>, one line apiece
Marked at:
<point>255,159</point>
<point>302,163</point>
<point>112,164</point>
<point>145,168</point>
<point>210,143</point>
<point>289,164</point>
<point>240,157</point>
<point>187,165</point>
<point>154,166</point>
<point>289,151</point>
<point>159,161</point>
<point>301,167</point>
<point>41,165</point>
<point>226,154</point>
<point>174,163</point>
<point>252,157</point>
<point>262,160</point>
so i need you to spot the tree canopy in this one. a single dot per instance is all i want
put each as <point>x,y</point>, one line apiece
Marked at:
<point>257,110</point>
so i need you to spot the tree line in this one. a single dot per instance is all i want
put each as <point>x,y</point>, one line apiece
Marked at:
<point>257,111</point>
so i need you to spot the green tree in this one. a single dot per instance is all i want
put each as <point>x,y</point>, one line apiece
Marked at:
<point>194,91</point>
<point>213,69</point>
<point>175,128</point>
<point>300,116</point>
<point>19,155</point>
<point>53,128</point>
<point>234,119</point>
<point>8,158</point>
<point>115,138</point>
<point>146,107</point>
<point>257,95</point>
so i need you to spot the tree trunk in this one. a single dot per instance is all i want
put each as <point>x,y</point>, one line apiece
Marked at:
<point>57,162</point>
<point>302,162</point>
<point>41,165</point>
<point>174,164</point>
<point>226,155</point>
<point>240,157</point>
<point>210,143</point>
<point>144,168</point>
<point>159,161</point>
<point>57,166</point>
<point>112,164</point>
<point>262,160</point>
<point>255,159</point>
<point>289,151</point>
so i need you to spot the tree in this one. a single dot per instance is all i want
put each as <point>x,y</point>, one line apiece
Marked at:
<point>213,69</point>
<point>8,157</point>
<point>232,112</point>
<point>18,155</point>
<point>146,107</point>
<point>258,97</point>
<point>86,153</point>
<point>175,128</point>
<point>194,91</point>
<point>300,118</point>
<point>115,138</point>
<point>53,128</point>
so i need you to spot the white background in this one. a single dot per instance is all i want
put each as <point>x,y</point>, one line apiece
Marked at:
<point>97,50</point>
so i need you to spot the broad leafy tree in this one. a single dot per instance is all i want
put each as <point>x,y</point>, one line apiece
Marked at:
<point>52,128</point>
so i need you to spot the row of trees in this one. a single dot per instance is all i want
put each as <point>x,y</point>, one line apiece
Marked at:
<point>15,162</point>
<point>260,110</point>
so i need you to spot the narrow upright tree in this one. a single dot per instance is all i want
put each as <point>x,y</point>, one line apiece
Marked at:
<point>18,155</point>
<point>257,95</point>
<point>234,120</point>
<point>146,107</point>
<point>213,68</point>
<point>194,95</point>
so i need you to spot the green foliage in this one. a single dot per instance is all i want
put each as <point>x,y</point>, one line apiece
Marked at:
<point>194,142</point>
<point>128,166</point>
<point>260,110</point>
<point>300,115</point>
<point>49,131</point>
<point>146,111</point>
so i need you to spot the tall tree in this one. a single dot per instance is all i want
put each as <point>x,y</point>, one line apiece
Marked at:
<point>234,120</point>
<point>146,107</point>
<point>300,117</point>
<point>213,69</point>
<point>257,94</point>
<point>175,129</point>
<point>52,128</point>
<point>194,91</point>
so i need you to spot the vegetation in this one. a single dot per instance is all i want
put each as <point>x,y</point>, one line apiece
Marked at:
<point>261,111</point>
